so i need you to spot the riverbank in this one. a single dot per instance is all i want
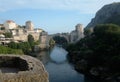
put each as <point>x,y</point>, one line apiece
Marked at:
<point>96,73</point>
<point>97,55</point>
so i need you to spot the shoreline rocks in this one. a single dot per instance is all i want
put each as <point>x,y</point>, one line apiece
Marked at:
<point>34,70</point>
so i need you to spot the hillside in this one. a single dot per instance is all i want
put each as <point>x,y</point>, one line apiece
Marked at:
<point>107,14</point>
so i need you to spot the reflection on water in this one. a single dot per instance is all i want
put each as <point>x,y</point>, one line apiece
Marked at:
<point>58,55</point>
<point>58,67</point>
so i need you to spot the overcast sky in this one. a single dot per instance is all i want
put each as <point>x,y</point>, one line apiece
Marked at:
<point>51,15</point>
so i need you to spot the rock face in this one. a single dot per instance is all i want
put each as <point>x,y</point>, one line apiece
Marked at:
<point>21,69</point>
<point>108,14</point>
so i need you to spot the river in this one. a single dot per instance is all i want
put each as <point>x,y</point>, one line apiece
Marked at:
<point>58,67</point>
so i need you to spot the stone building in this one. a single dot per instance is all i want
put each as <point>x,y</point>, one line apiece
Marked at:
<point>21,38</point>
<point>29,26</point>
<point>21,33</point>
<point>38,30</point>
<point>44,42</point>
<point>35,35</point>
<point>9,24</point>
<point>77,34</point>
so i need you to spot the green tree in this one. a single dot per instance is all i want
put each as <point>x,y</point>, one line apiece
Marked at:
<point>8,35</point>
<point>13,45</point>
<point>51,42</point>
<point>88,31</point>
<point>24,46</point>
<point>2,28</point>
<point>37,42</point>
<point>8,50</point>
<point>31,40</point>
<point>99,50</point>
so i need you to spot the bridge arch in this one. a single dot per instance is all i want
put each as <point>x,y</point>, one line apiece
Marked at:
<point>60,39</point>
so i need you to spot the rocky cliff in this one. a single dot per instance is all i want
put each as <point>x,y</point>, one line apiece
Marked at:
<point>21,69</point>
<point>107,14</point>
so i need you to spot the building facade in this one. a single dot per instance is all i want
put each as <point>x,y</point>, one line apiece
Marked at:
<point>44,42</point>
<point>77,34</point>
<point>29,26</point>
<point>9,24</point>
<point>21,33</point>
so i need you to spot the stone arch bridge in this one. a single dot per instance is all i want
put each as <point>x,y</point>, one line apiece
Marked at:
<point>66,36</point>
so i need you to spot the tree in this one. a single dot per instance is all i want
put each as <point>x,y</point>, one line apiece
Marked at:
<point>31,40</point>
<point>8,35</point>
<point>100,50</point>
<point>88,31</point>
<point>2,28</point>
<point>19,26</point>
<point>51,42</point>
<point>24,46</point>
<point>13,45</point>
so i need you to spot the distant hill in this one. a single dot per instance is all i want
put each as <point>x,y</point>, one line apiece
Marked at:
<point>107,14</point>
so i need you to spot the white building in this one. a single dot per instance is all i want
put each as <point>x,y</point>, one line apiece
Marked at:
<point>9,24</point>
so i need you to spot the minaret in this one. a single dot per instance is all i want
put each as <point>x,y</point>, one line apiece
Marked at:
<point>29,26</point>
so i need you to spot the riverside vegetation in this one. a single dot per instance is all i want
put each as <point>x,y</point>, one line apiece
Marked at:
<point>7,50</point>
<point>19,48</point>
<point>98,53</point>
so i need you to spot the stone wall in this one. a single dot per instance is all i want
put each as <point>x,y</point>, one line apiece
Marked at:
<point>34,70</point>
<point>36,36</point>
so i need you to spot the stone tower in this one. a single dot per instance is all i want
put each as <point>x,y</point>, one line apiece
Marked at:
<point>44,42</point>
<point>79,31</point>
<point>77,34</point>
<point>29,26</point>
<point>79,28</point>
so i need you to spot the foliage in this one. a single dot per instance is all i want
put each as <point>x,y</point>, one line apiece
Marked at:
<point>60,40</point>
<point>2,28</point>
<point>19,26</point>
<point>8,35</point>
<point>7,50</point>
<point>13,45</point>
<point>88,31</point>
<point>51,42</point>
<point>36,42</point>
<point>100,49</point>
<point>24,46</point>
<point>31,40</point>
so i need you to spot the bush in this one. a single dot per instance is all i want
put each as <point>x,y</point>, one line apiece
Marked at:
<point>7,50</point>
<point>101,49</point>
